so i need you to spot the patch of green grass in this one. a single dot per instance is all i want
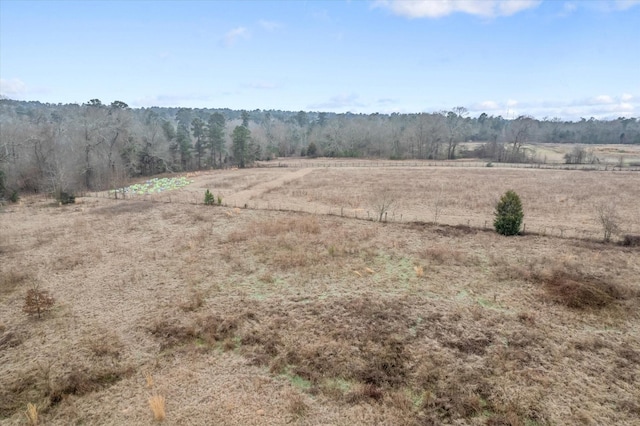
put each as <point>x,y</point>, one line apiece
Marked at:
<point>462,294</point>
<point>297,381</point>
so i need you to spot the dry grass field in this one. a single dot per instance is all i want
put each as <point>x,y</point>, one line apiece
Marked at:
<point>292,311</point>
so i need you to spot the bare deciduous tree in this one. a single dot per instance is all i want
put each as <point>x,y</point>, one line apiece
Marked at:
<point>382,201</point>
<point>438,205</point>
<point>608,218</point>
<point>456,128</point>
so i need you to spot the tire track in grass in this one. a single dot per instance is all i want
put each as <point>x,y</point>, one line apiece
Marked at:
<point>241,198</point>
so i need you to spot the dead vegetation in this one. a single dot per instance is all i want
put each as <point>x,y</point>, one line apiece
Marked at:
<point>261,317</point>
<point>11,279</point>
<point>580,291</point>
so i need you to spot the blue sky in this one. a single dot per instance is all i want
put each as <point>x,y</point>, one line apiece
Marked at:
<point>568,59</point>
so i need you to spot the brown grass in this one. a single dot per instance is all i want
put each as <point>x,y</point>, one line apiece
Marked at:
<point>580,291</point>
<point>10,280</point>
<point>260,318</point>
<point>32,414</point>
<point>149,380</point>
<point>157,405</point>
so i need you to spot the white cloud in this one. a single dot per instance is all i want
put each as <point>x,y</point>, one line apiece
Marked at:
<point>604,107</point>
<point>440,8</point>
<point>386,101</point>
<point>625,4</point>
<point>12,88</point>
<point>269,25</point>
<point>342,102</point>
<point>232,36</point>
<point>488,106</point>
<point>261,85</point>
<point>569,7</point>
<point>602,99</point>
<point>606,6</point>
<point>174,100</point>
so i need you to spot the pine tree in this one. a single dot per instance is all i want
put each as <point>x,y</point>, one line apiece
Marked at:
<point>508,214</point>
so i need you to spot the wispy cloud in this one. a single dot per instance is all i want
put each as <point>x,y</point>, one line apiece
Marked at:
<point>488,106</point>
<point>339,103</point>
<point>598,106</point>
<point>12,88</point>
<point>261,85</point>
<point>568,8</point>
<point>438,9</point>
<point>598,5</point>
<point>174,99</point>
<point>232,36</point>
<point>625,4</point>
<point>386,101</point>
<point>269,25</point>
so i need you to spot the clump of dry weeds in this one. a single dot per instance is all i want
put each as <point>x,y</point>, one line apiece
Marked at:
<point>157,405</point>
<point>32,414</point>
<point>83,379</point>
<point>565,282</point>
<point>576,290</point>
<point>11,279</point>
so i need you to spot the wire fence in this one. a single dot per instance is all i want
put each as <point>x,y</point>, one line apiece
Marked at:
<point>196,199</point>
<point>441,163</point>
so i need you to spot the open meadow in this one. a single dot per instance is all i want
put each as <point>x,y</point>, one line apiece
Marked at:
<point>291,303</point>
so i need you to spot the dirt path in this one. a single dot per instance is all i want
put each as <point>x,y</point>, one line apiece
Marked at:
<point>242,197</point>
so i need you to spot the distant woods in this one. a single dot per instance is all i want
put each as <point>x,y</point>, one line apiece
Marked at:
<point>96,146</point>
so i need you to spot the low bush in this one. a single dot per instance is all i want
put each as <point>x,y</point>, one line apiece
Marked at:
<point>209,199</point>
<point>64,197</point>
<point>37,301</point>
<point>631,240</point>
<point>581,291</point>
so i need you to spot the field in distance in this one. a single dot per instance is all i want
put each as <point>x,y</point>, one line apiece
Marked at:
<point>556,201</point>
<point>292,311</point>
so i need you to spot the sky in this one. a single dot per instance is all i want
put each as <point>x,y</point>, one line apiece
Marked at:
<point>549,58</point>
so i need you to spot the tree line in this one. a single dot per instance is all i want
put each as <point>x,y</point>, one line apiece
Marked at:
<point>96,146</point>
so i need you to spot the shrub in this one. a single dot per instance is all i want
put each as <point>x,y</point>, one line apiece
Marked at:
<point>65,197</point>
<point>37,301</point>
<point>580,291</point>
<point>631,240</point>
<point>508,214</point>
<point>312,150</point>
<point>209,199</point>
<point>607,215</point>
<point>3,188</point>
<point>14,197</point>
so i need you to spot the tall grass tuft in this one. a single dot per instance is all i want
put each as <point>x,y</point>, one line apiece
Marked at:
<point>157,404</point>
<point>32,414</point>
<point>149,378</point>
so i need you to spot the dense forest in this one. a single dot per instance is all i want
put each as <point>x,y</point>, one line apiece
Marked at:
<point>95,146</point>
